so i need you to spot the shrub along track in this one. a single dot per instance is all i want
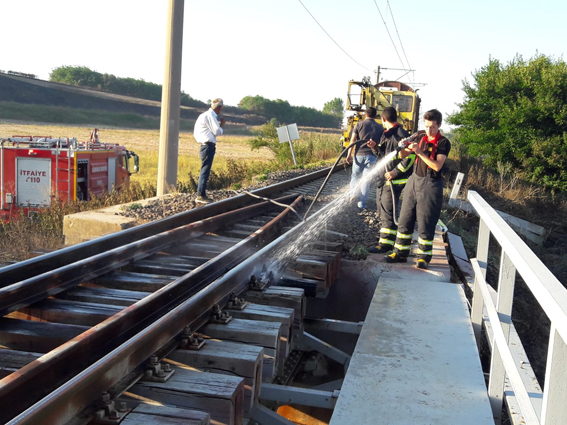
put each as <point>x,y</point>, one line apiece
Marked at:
<point>101,309</point>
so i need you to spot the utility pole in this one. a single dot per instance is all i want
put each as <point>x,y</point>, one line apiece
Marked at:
<point>170,100</point>
<point>378,75</point>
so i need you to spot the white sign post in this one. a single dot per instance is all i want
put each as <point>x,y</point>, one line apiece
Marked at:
<point>288,133</point>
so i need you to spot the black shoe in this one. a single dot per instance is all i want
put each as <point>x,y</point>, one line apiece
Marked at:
<point>203,200</point>
<point>394,257</point>
<point>379,249</point>
<point>422,264</point>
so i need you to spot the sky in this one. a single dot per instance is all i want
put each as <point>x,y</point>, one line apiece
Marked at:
<point>275,49</point>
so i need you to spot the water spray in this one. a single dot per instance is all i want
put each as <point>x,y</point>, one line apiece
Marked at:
<point>404,143</point>
<point>358,142</point>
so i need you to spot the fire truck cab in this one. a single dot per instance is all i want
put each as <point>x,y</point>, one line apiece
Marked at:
<point>35,170</point>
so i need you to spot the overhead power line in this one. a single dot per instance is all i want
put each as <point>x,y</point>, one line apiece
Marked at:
<point>344,51</point>
<point>399,38</point>
<point>389,35</point>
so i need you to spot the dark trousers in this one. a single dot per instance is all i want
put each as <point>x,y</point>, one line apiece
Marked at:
<point>207,154</point>
<point>388,228</point>
<point>423,199</point>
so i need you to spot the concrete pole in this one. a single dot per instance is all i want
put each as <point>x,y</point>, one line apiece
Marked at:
<point>170,100</point>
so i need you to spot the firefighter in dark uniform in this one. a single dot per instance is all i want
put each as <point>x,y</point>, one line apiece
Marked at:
<point>397,173</point>
<point>423,195</point>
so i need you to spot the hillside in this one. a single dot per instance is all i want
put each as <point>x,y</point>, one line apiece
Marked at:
<point>39,92</point>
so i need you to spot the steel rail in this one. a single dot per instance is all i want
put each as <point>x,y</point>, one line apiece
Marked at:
<point>26,269</point>
<point>38,378</point>
<point>37,288</point>
<point>43,375</point>
<point>75,395</point>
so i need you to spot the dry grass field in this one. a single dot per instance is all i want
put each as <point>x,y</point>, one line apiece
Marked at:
<point>146,144</point>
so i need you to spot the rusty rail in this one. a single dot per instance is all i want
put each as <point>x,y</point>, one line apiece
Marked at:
<point>36,380</point>
<point>75,395</point>
<point>57,259</point>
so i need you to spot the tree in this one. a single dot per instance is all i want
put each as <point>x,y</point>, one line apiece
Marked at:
<point>83,76</point>
<point>335,107</point>
<point>285,113</point>
<point>76,75</point>
<point>516,115</point>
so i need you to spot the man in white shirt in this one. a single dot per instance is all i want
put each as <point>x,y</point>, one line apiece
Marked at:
<point>207,128</point>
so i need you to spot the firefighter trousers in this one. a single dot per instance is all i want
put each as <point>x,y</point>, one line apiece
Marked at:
<point>388,228</point>
<point>423,199</point>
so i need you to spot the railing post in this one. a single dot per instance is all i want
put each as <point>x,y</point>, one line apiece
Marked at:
<point>482,246</point>
<point>554,409</point>
<point>476,310</point>
<point>482,258</point>
<point>506,280</point>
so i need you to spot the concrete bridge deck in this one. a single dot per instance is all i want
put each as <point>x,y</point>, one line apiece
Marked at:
<point>416,360</point>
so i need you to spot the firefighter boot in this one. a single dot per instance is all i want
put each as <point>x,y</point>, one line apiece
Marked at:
<point>395,257</point>
<point>380,249</point>
<point>422,264</point>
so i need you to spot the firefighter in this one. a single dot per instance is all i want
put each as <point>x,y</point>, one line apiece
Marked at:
<point>390,187</point>
<point>423,195</point>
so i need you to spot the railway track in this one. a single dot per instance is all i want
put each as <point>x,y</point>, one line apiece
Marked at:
<point>197,310</point>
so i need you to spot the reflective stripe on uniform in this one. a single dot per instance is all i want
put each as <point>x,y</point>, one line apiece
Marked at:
<point>382,241</point>
<point>410,164</point>
<point>419,251</point>
<point>388,231</point>
<point>404,235</point>
<point>402,247</point>
<point>400,181</point>
<point>424,242</point>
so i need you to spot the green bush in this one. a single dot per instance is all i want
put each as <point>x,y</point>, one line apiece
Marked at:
<point>516,114</point>
<point>310,147</point>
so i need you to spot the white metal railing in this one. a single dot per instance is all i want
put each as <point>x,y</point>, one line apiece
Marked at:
<point>551,406</point>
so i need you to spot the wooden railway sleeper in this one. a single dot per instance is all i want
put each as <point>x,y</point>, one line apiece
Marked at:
<point>158,372</point>
<point>109,413</point>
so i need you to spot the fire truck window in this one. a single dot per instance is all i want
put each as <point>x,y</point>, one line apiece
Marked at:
<point>402,103</point>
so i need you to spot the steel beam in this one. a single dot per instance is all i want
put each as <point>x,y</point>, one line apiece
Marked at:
<point>329,386</point>
<point>306,342</point>
<point>265,416</point>
<point>284,394</point>
<point>341,326</point>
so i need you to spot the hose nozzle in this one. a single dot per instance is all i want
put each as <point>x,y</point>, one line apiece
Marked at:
<point>404,143</point>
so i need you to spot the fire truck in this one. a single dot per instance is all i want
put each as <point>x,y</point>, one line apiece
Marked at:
<point>38,170</point>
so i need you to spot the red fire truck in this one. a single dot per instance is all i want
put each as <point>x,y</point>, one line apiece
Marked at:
<point>36,170</point>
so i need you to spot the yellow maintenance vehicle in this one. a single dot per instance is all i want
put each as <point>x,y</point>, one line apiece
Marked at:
<point>363,94</point>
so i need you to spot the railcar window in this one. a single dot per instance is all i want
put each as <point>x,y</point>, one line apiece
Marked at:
<point>402,103</point>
